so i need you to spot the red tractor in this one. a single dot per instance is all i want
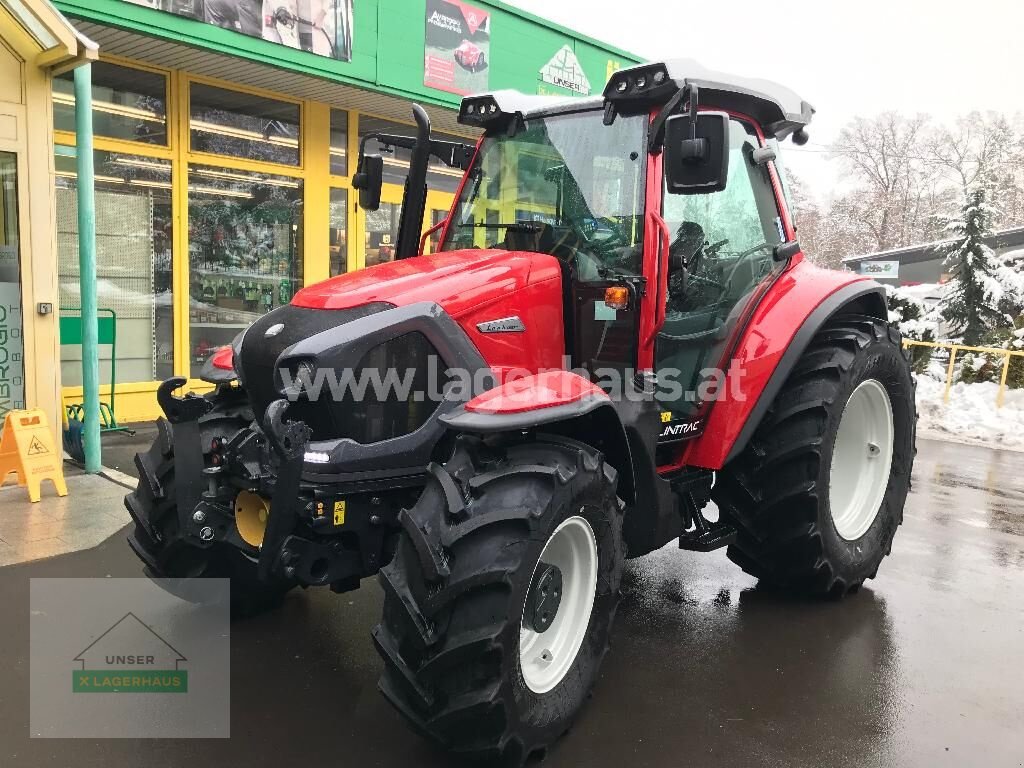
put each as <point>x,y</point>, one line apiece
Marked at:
<point>618,328</point>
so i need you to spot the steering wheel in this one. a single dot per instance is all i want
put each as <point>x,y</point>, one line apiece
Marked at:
<point>700,284</point>
<point>763,246</point>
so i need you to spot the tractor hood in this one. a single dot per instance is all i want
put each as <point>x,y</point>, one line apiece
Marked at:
<point>460,281</point>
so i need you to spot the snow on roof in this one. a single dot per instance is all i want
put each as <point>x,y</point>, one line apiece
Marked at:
<point>794,108</point>
<point>1011,234</point>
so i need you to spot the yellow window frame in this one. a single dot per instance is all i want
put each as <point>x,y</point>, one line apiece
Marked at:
<point>139,401</point>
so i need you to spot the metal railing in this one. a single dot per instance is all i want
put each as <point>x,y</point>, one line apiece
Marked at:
<point>954,348</point>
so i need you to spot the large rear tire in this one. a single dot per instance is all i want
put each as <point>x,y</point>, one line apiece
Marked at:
<point>153,507</point>
<point>818,493</point>
<point>474,656</point>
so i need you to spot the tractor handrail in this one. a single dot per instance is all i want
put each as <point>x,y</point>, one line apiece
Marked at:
<point>429,232</point>
<point>954,348</point>
<point>661,276</point>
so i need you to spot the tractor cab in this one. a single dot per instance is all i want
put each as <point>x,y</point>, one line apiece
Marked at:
<point>663,204</point>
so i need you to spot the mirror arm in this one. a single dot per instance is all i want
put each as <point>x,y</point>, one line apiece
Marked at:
<point>656,137</point>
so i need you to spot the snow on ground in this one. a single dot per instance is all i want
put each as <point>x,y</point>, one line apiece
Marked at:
<point>971,415</point>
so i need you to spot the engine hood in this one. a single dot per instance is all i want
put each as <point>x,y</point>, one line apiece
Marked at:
<point>460,281</point>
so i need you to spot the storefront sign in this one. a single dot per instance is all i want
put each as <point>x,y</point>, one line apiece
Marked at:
<point>883,269</point>
<point>457,47</point>
<point>323,27</point>
<point>12,363</point>
<point>564,72</point>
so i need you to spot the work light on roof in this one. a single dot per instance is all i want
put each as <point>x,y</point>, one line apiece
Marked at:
<point>479,110</point>
<point>640,86</point>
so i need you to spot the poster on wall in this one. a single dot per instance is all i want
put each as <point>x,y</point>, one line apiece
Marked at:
<point>457,47</point>
<point>323,27</point>
<point>563,75</point>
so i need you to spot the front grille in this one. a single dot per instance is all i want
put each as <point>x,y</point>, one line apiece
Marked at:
<point>259,352</point>
<point>390,398</point>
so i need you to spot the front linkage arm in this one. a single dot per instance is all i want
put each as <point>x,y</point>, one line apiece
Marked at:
<point>288,441</point>
<point>184,413</point>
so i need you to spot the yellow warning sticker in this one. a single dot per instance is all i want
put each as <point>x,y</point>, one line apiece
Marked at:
<point>339,513</point>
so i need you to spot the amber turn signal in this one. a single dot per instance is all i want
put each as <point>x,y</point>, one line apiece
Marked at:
<point>617,297</point>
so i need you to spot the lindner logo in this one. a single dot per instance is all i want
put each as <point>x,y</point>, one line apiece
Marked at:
<point>130,658</point>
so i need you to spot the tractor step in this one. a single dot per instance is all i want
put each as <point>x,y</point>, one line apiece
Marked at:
<point>715,536</point>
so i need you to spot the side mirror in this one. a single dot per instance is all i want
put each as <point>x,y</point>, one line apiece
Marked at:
<point>696,158</point>
<point>368,179</point>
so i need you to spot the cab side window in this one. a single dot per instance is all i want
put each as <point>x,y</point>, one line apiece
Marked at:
<point>721,248</point>
<point>724,239</point>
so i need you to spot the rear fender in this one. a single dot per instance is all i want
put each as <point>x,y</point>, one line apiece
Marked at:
<point>800,302</point>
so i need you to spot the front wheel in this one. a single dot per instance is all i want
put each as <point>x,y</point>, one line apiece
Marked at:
<point>499,602</point>
<point>819,492</point>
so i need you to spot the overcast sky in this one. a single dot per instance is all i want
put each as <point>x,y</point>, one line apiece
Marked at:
<point>855,58</point>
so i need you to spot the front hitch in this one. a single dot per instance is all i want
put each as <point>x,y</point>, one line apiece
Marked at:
<point>184,413</point>
<point>288,441</point>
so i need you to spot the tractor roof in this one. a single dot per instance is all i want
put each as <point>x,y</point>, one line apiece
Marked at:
<point>779,110</point>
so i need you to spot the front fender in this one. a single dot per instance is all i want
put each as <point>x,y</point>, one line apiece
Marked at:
<point>625,430</point>
<point>799,303</point>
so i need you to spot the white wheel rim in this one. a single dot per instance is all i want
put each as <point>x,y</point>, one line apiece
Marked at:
<point>545,657</point>
<point>861,460</point>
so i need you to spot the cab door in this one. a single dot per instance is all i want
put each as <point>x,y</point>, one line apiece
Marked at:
<point>726,240</point>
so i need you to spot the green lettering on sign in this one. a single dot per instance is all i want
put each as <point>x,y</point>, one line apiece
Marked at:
<point>129,681</point>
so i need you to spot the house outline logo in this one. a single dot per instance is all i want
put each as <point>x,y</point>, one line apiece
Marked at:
<point>565,71</point>
<point>139,660</point>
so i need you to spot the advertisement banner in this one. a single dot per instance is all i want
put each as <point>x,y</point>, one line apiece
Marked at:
<point>457,47</point>
<point>323,27</point>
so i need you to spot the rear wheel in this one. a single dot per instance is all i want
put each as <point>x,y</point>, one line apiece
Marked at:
<point>818,493</point>
<point>153,506</point>
<point>499,602</point>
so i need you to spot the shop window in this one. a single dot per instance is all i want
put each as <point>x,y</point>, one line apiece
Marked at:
<point>382,233</point>
<point>129,104</point>
<point>245,252</point>
<point>339,142</point>
<point>338,237</point>
<point>133,262</point>
<point>12,363</point>
<point>241,125</point>
<point>396,163</point>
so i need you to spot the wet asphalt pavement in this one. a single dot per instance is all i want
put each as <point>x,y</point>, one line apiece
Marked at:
<point>923,667</point>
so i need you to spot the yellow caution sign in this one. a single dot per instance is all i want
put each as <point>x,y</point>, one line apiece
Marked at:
<point>26,449</point>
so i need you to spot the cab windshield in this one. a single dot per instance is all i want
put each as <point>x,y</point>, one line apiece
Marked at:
<point>566,185</point>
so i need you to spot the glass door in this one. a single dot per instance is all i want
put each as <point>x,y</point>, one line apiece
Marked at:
<point>381,231</point>
<point>12,366</point>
